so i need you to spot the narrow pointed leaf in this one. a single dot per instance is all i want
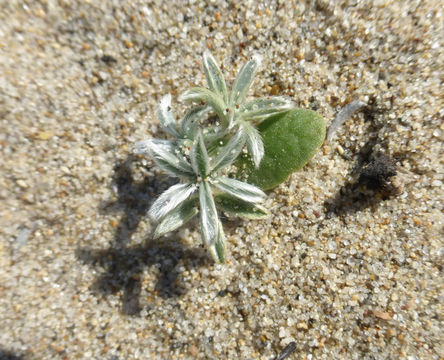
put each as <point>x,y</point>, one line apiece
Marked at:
<point>214,76</point>
<point>199,157</point>
<point>206,97</point>
<point>239,189</point>
<point>208,215</point>
<point>142,147</point>
<point>218,248</point>
<point>176,218</point>
<point>191,120</point>
<point>260,109</point>
<point>254,142</point>
<point>166,155</point>
<point>229,152</point>
<point>235,206</point>
<point>244,80</point>
<point>165,116</point>
<point>170,199</point>
<point>214,135</point>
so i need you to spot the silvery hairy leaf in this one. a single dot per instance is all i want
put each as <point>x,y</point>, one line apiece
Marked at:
<point>206,97</point>
<point>255,144</point>
<point>214,135</point>
<point>238,207</point>
<point>229,152</point>
<point>208,214</point>
<point>177,217</point>
<point>214,76</point>
<point>165,116</point>
<point>199,157</point>
<point>141,147</point>
<point>190,122</point>
<point>170,199</point>
<point>259,109</point>
<point>167,157</point>
<point>244,80</point>
<point>239,189</point>
<point>218,248</point>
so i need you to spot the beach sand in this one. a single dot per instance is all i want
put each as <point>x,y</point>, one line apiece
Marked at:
<point>343,267</point>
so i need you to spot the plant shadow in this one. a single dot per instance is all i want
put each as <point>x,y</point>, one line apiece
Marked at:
<point>123,268</point>
<point>122,263</point>
<point>9,355</point>
<point>134,198</point>
<point>370,177</point>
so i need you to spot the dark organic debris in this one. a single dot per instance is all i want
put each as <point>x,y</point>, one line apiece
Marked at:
<point>377,173</point>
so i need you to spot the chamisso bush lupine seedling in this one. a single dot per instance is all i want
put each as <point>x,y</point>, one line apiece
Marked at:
<point>203,152</point>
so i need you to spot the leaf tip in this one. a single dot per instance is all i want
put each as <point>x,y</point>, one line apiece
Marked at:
<point>257,58</point>
<point>218,248</point>
<point>141,147</point>
<point>165,100</point>
<point>207,55</point>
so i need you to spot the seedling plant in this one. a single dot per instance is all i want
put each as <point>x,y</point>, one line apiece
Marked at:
<point>226,151</point>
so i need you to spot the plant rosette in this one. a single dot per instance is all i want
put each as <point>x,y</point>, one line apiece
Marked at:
<point>277,138</point>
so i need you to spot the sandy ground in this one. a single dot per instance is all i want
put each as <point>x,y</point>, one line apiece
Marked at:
<point>342,270</point>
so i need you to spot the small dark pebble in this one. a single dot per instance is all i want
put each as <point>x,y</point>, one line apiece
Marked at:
<point>346,156</point>
<point>287,351</point>
<point>298,238</point>
<point>310,56</point>
<point>404,122</point>
<point>222,293</point>
<point>108,59</point>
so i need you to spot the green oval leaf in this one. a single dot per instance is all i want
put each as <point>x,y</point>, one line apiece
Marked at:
<point>290,141</point>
